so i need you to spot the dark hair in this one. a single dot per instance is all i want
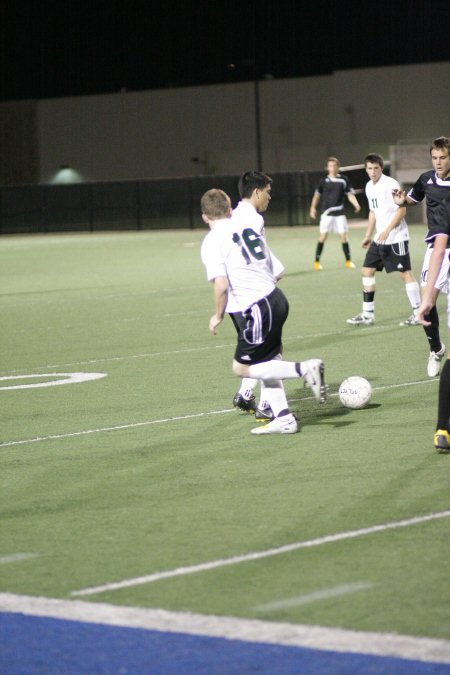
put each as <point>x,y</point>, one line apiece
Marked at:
<point>374,158</point>
<point>440,143</point>
<point>215,204</point>
<point>252,180</point>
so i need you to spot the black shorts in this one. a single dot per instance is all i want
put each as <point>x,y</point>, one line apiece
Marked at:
<point>260,327</point>
<point>391,257</point>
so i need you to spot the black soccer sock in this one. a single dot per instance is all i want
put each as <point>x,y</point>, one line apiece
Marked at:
<point>444,398</point>
<point>368,296</point>
<point>346,249</point>
<point>432,332</point>
<point>319,249</point>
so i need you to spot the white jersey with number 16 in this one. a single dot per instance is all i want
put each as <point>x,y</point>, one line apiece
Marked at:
<point>236,248</point>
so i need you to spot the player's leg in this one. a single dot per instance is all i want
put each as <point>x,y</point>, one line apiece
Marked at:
<point>258,356</point>
<point>413,292</point>
<point>323,234</point>
<point>442,435</point>
<point>342,230</point>
<point>244,398</point>
<point>437,347</point>
<point>373,262</point>
<point>263,412</point>
<point>367,315</point>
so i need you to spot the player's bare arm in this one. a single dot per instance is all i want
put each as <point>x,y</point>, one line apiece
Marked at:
<point>369,231</point>
<point>313,208</point>
<point>352,199</point>
<point>428,294</point>
<point>396,220</point>
<point>220,301</point>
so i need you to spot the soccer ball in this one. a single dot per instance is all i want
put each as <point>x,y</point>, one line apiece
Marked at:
<point>355,392</point>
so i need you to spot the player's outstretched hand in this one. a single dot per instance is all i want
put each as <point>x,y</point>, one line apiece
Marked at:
<point>399,197</point>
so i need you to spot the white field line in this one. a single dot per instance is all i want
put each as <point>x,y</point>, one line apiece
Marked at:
<point>66,378</point>
<point>257,555</point>
<point>119,427</point>
<point>17,557</point>
<point>146,423</point>
<point>315,596</point>
<point>246,630</point>
<point>176,352</point>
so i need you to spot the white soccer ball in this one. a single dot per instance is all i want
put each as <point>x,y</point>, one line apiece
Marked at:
<point>355,392</point>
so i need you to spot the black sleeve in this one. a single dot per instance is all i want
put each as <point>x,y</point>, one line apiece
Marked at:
<point>417,191</point>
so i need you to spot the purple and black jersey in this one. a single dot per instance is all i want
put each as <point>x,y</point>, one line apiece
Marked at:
<point>435,190</point>
<point>442,220</point>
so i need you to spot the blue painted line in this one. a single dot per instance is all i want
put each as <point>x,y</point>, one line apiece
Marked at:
<point>34,646</point>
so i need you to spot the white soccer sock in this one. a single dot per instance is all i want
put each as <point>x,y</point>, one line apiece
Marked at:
<point>263,402</point>
<point>276,397</point>
<point>274,370</point>
<point>413,293</point>
<point>368,308</point>
<point>247,386</point>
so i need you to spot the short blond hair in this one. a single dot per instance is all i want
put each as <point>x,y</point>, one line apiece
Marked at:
<point>215,204</point>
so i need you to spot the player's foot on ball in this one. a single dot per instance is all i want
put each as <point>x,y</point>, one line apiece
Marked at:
<point>247,405</point>
<point>313,372</point>
<point>279,425</point>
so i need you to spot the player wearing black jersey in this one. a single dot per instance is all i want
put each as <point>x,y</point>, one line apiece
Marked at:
<point>332,190</point>
<point>434,186</point>
<point>440,252</point>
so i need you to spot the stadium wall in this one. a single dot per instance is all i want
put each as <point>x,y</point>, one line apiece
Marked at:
<point>210,130</point>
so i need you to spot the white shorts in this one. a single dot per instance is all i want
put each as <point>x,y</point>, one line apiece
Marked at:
<point>442,282</point>
<point>336,224</point>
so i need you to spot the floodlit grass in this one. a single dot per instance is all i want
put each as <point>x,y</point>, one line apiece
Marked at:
<point>149,469</point>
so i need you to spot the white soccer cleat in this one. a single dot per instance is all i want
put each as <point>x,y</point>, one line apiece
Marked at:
<point>279,425</point>
<point>361,320</point>
<point>313,373</point>
<point>434,362</point>
<point>410,321</point>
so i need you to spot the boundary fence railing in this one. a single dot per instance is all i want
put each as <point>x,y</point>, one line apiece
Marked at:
<point>164,203</point>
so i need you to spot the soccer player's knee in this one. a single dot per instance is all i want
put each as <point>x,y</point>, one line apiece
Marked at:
<point>240,370</point>
<point>368,282</point>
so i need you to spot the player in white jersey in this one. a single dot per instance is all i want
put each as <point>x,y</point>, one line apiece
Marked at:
<point>244,398</point>
<point>388,248</point>
<point>239,264</point>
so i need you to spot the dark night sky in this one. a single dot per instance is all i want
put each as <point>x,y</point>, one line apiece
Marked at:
<point>52,48</point>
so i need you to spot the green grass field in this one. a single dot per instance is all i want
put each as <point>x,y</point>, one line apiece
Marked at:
<point>150,469</point>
